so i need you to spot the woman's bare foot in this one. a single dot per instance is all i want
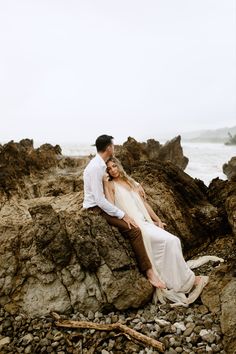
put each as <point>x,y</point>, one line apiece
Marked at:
<point>154,280</point>
<point>158,284</point>
<point>197,280</point>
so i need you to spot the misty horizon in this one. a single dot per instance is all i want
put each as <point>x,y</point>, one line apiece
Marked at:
<point>73,71</point>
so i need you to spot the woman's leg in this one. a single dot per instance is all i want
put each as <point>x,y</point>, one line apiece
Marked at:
<point>168,258</point>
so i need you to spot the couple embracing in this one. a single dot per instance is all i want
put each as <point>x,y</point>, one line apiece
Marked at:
<point>121,201</point>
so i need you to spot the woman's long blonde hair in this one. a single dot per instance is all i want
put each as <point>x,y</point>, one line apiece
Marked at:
<point>123,175</point>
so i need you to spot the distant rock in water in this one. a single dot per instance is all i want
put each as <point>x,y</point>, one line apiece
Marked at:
<point>209,136</point>
<point>132,152</point>
<point>231,140</point>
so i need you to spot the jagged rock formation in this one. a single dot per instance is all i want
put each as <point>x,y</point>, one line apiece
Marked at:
<point>222,194</point>
<point>229,169</point>
<point>55,261</point>
<point>231,139</point>
<point>132,152</point>
<point>56,256</point>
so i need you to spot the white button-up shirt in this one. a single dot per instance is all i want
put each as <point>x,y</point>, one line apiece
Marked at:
<point>93,188</point>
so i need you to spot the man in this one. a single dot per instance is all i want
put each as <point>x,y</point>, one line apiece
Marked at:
<point>94,199</point>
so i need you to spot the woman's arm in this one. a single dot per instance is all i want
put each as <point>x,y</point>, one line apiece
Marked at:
<point>140,191</point>
<point>153,215</point>
<point>109,190</point>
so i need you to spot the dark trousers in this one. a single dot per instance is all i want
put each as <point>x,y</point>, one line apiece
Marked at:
<point>134,235</point>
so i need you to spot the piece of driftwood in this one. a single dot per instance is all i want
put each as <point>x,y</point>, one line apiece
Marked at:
<point>109,327</point>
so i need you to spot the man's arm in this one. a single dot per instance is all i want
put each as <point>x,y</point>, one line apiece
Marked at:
<point>101,201</point>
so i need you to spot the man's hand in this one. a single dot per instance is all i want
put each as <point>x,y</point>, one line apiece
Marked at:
<point>129,221</point>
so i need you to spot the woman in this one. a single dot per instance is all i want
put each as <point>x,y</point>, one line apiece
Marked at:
<point>164,249</point>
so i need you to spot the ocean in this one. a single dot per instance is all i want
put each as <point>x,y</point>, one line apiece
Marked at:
<point>205,159</point>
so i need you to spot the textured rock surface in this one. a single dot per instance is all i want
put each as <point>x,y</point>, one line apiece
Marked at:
<point>222,194</point>
<point>55,261</point>
<point>228,316</point>
<point>132,152</point>
<point>229,169</point>
<point>55,256</point>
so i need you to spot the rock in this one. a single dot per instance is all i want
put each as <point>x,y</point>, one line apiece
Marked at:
<point>55,276</point>
<point>104,351</point>
<point>203,309</point>
<point>230,206</point>
<point>211,295</point>
<point>21,159</point>
<point>4,341</point>
<point>161,323</point>
<point>228,315</point>
<point>207,336</point>
<point>172,151</point>
<point>221,194</point>
<point>229,169</point>
<point>180,326</point>
<point>54,256</point>
<point>132,151</point>
<point>189,330</point>
<point>28,338</point>
<point>51,238</point>
<point>28,349</point>
<point>11,308</point>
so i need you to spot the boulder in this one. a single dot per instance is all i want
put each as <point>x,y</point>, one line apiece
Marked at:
<point>172,151</point>
<point>229,169</point>
<point>70,260</point>
<point>54,256</point>
<point>220,297</point>
<point>132,152</point>
<point>228,316</point>
<point>222,194</point>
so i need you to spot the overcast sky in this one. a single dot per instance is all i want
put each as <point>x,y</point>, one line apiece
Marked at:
<point>71,70</point>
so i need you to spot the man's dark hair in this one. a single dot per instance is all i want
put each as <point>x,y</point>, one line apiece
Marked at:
<point>102,142</point>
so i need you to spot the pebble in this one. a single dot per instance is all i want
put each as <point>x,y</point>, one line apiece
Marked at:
<point>161,323</point>
<point>192,330</point>
<point>4,341</point>
<point>189,329</point>
<point>180,326</point>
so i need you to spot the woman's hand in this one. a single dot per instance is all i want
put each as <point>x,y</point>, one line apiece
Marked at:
<point>160,224</point>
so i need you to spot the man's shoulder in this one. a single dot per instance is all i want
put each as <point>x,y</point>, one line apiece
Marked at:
<point>93,165</point>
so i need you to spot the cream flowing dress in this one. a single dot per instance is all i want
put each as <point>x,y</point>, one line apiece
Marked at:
<point>164,251</point>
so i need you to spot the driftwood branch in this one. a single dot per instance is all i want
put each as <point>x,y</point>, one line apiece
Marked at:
<point>109,327</point>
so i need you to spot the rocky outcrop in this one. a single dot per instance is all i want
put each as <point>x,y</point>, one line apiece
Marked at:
<point>56,256</point>
<point>220,297</point>
<point>222,194</point>
<point>172,151</point>
<point>18,160</point>
<point>132,152</point>
<point>66,261</point>
<point>229,169</point>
